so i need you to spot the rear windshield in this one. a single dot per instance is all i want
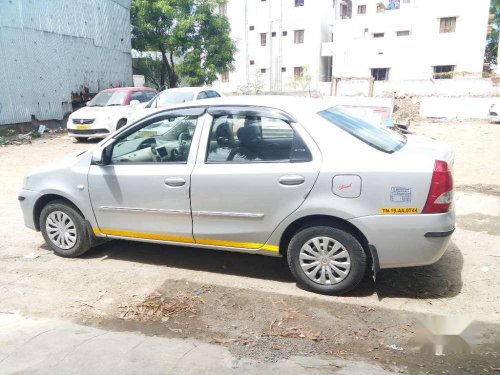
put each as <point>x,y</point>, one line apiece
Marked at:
<point>381,138</point>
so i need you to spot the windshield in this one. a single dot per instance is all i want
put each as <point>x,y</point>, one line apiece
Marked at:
<point>381,138</point>
<point>108,98</point>
<point>166,98</point>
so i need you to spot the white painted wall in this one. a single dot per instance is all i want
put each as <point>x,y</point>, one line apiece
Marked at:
<point>280,52</point>
<point>355,51</point>
<point>461,108</point>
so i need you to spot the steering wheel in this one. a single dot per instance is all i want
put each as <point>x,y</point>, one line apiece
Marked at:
<point>184,137</point>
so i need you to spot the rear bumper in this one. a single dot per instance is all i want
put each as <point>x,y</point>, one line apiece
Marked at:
<point>408,240</point>
<point>27,199</point>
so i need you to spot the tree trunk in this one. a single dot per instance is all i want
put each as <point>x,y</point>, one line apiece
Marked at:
<point>173,79</point>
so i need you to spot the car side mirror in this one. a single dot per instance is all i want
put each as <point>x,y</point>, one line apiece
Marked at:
<point>97,156</point>
<point>102,155</point>
<point>135,103</point>
<point>88,103</point>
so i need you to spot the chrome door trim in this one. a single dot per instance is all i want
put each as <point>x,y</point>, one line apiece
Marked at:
<point>246,215</point>
<point>143,210</point>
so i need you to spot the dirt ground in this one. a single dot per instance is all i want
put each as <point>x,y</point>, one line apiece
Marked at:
<point>251,303</point>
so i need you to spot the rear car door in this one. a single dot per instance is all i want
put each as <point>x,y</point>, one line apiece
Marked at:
<point>254,168</point>
<point>144,190</point>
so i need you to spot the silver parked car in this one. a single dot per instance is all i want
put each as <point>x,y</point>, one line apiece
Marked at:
<point>292,177</point>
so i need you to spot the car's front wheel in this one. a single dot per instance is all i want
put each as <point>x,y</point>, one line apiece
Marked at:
<point>326,260</point>
<point>64,229</point>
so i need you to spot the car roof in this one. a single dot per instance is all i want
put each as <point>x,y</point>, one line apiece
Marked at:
<point>139,88</point>
<point>291,104</point>
<point>190,89</point>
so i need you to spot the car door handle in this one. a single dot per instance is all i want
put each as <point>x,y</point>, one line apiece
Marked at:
<point>291,180</point>
<point>175,181</point>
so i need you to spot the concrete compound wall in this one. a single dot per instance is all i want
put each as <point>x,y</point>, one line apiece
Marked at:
<point>453,107</point>
<point>428,87</point>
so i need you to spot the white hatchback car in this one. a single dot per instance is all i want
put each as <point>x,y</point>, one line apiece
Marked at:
<point>107,111</point>
<point>170,97</point>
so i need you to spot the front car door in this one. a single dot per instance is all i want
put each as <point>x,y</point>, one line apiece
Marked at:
<point>143,192</point>
<point>255,166</point>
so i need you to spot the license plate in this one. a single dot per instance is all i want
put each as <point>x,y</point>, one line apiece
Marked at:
<point>81,127</point>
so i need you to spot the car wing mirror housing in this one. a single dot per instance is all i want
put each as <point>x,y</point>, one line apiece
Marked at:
<point>102,155</point>
<point>135,103</point>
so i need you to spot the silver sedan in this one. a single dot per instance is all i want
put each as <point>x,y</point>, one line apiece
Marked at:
<point>335,195</point>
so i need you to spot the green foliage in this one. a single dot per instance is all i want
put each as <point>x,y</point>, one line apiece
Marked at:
<point>302,82</point>
<point>492,46</point>
<point>35,134</point>
<point>152,69</point>
<point>253,88</point>
<point>192,38</point>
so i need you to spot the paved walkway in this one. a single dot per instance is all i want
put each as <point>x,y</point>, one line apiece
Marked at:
<point>58,347</point>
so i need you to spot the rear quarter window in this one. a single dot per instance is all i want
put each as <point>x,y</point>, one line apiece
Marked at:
<point>378,137</point>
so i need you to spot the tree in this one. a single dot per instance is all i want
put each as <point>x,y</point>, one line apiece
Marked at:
<point>492,43</point>
<point>192,38</point>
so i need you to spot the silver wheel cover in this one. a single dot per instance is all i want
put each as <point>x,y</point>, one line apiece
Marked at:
<point>325,260</point>
<point>61,230</point>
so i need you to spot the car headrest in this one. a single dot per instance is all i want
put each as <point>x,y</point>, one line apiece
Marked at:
<point>245,135</point>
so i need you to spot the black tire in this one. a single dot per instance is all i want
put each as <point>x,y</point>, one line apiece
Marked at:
<point>121,123</point>
<point>82,243</point>
<point>350,243</point>
<point>81,139</point>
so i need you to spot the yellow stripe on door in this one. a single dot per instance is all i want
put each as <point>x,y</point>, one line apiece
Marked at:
<point>181,239</point>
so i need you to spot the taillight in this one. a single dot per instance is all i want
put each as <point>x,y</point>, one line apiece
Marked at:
<point>441,190</point>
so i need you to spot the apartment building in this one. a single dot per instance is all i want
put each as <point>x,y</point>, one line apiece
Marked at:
<point>409,39</point>
<point>277,41</point>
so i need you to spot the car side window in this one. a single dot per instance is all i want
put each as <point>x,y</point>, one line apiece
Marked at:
<point>162,140</point>
<point>147,96</point>
<point>248,138</point>
<point>136,95</point>
<point>213,94</point>
<point>202,95</point>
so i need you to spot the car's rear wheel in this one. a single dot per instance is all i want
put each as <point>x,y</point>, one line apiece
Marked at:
<point>121,123</point>
<point>81,139</point>
<point>326,260</point>
<point>64,229</point>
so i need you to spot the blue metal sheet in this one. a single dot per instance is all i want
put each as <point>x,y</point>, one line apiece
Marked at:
<point>50,48</point>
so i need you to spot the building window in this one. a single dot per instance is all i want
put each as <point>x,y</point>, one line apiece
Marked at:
<point>223,8</point>
<point>273,34</point>
<point>283,70</point>
<point>299,3</point>
<point>252,62</point>
<point>403,33</point>
<point>263,39</point>
<point>285,33</point>
<point>225,76</point>
<point>263,70</point>
<point>443,71</point>
<point>378,35</point>
<point>380,74</point>
<point>447,24</point>
<point>380,7</point>
<point>361,9</point>
<point>252,28</point>
<point>298,72</point>
<point>299,36</point>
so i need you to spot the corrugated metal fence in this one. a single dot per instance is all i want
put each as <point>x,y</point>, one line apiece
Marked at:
<point>50,48</point>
